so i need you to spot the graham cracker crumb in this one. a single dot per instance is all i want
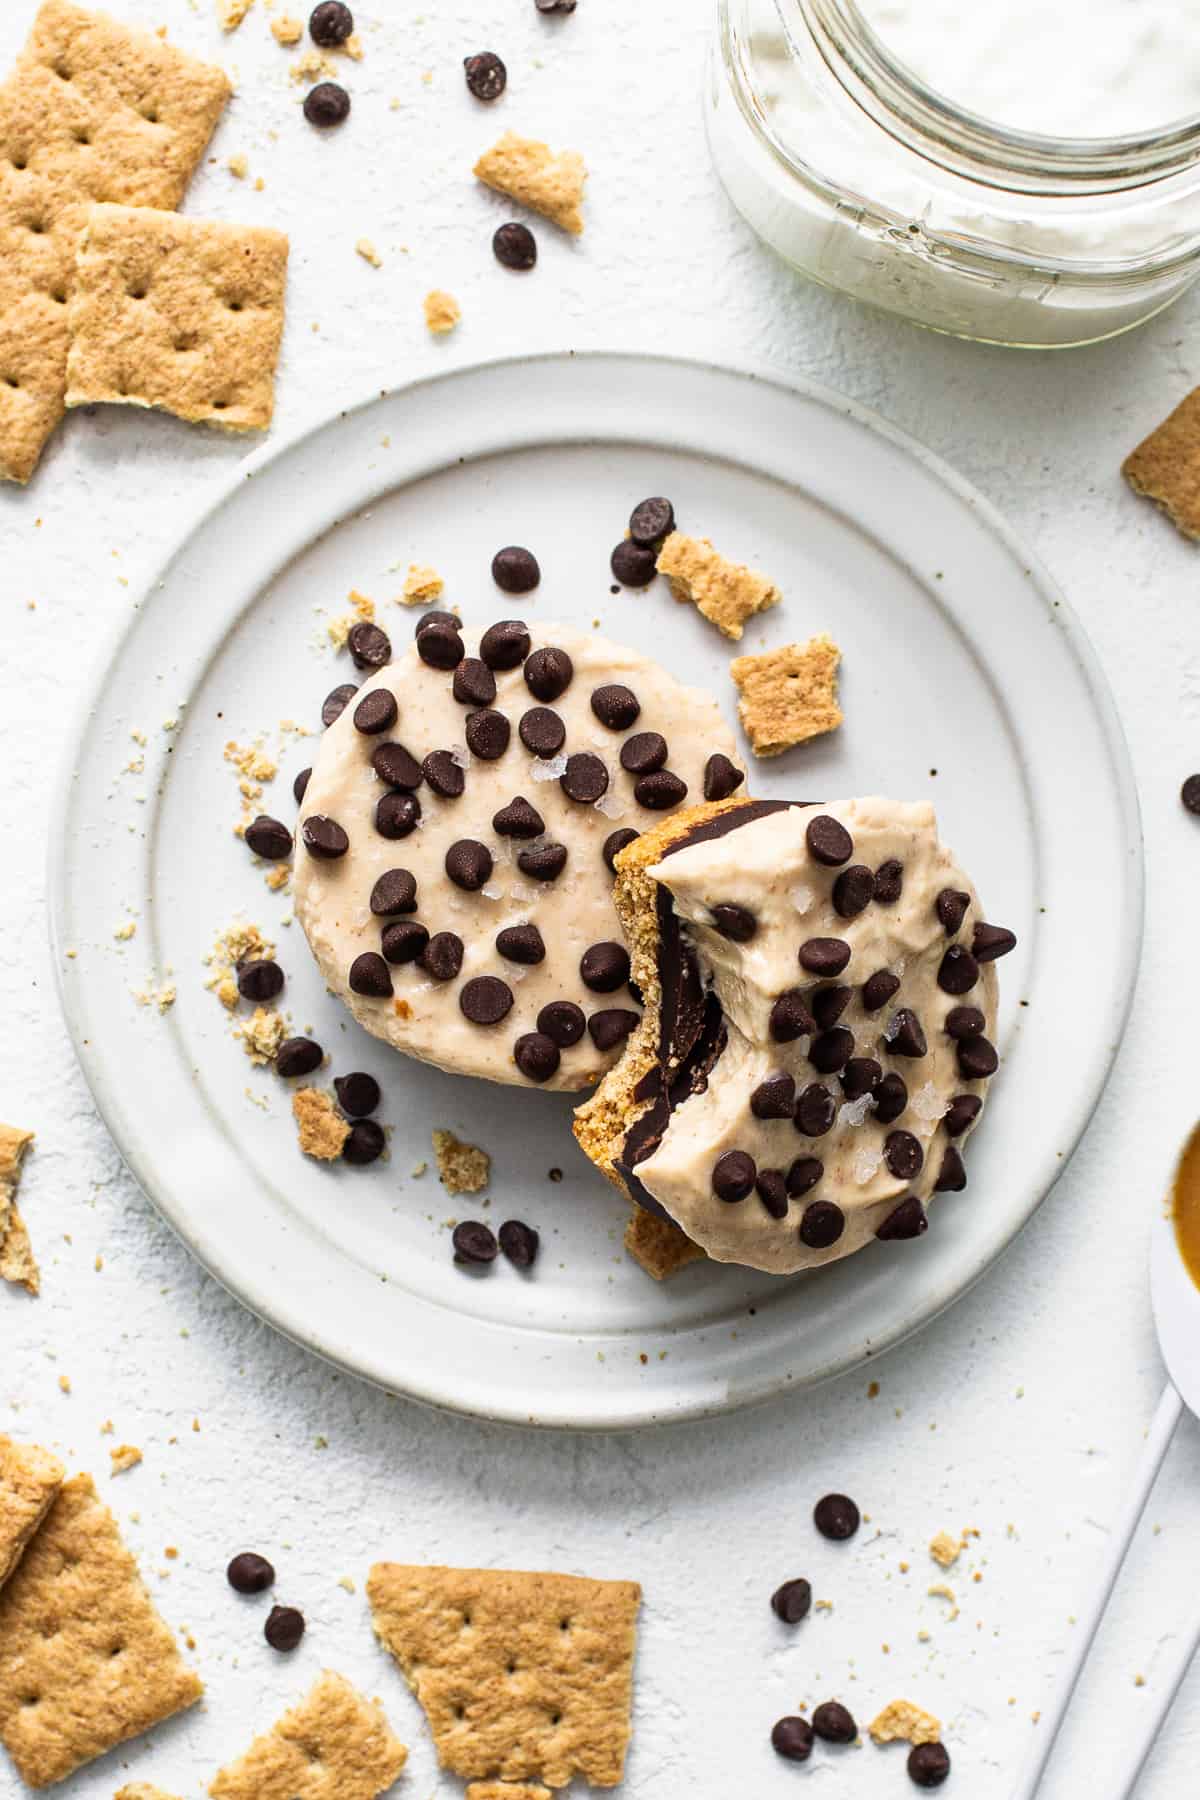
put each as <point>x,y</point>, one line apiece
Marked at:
<point>369,253</point>
<point>238,943</point>
<point>788,695</point>
<point>422,585</point>
<point>353,47</point>
<point>238,166</point>
<point>322,1129</point>
<point>142,1790</point>
<point>530,172</point>
<point>942,1591</point>
<point>463,1168</point>
<point>902,1722</point>
<point>17,1261</point>
<point>125,1456</point>
<point>163,996</point>
<point>442,312</point>
<point>335,1745</point>
<point>727,593</point>
<point>658,1245</point>
<point>230,13</point>
<point>1165,467</point>
<point>261,1035</point>
<point>945,1549</point>
<point>124,932</point>
<point>287,29</point>
<point>312,66</point>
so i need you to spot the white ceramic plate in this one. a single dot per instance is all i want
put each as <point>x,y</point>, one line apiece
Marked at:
<point>966,679</point>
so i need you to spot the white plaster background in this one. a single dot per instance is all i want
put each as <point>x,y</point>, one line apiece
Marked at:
<point>1025,1406</point>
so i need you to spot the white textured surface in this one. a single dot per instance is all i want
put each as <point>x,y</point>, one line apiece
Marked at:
<point>1025,1406</point>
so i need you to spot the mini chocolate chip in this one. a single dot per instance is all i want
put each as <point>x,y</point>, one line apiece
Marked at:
<point>958,971</point>
<point>358,1093</point>
<point>370,975</point>
<point>515,570</point>
<point>250,1574</point>
<point>396,815</point>
<point>542,732</point>
<point>469,864</point>
<point>793,1601</point>
<point>617,707</point>
<point>473,684</point>
<point>394,892</point>
<point>537,1056</point>
<point>904,1035</point>
<point>437,617</point>
<point>990,941</point>
<point>964,1022</point>
<point>733,1176</point>
<point>545,862</point>
<point>284,1627</point>
<point>397,767</point>
<point>505,644</point>
<point>660,791</point>
<point>474,1242</point>
<point>903,1154</point>
<point>961,1113</point>
<point>908,1220</point>
<point>376,712</point>
<point>562,1022</point>
<point>442,956</point>
<point>976,1059</point>
<point>519,1242</point>
<point>878,989</point>
<point>834,1723</point>
<point>792,1738</point>
<point>521,944</point>
<point>330,24</point>
<point>803,1175</point>
<point>327,104</point>
<point>336,701</point>
<point>488,733</point>
<point>952,1176</point>
<point>1189,793</point>
<point>515,247</point>
<point>644,752</point>
<point>268,838</point>
<point>951,909</point>
<point>403,940</point>
<point>651,521</point>
<point>889,882</point>
<point>323,837</point>
<point>822,1225</point>
<point>721,777</point>
<point>486,76</point>
<point>832,1050</point>
<point>298,1056</point>
<point>790,1017</point>
<point>445,776</point>
<point>891,1098</point>
<point>774,1098</point>
<point>604,967</point>
<point>607,1028</point>
<point>485,1000</point>
<point>634,565</point>
<point>816,1110</point>
<point>518,819</point>
<point>836,1517</point>
<point>861,1075</point>
<point>585,778</point>
<point>824,956</point>
<point>734,922</point>
<point>548,673</point>
<point>928,1765</point>
<point>853,891</point>
<point>261,979</point>
<point>440,645</point>
<point>828,1004</point>
<point>615,842</point>
<point>300,786</point>
<point>828,841</point>
<point>772,1191</point>
<point>369,647</point>
<point>365,1143</point>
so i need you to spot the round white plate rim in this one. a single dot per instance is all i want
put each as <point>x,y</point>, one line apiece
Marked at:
<point>427,1390</point>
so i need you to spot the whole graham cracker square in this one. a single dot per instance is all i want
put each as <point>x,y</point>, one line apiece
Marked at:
<point>176,313</point>
<point>788,695</point>
<point>727,593</point>
<point>528,171</point>
<point>521,1676</point>
<point>85,1660</point>
<point>30,1477</point>
<point>658,1245</point>
<point>333,1746</point>
<point>17,1263</point>
<point>1165,467</point>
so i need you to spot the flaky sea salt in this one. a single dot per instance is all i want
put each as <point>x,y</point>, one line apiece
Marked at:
<point>518,891</point>
<point>854,1111</point>
<point>927,1103</point>
<point>801,897</point>
<point>551,769</point>
<point>492,893</point>
<point>612,805</point>
<point>892,1028</point>
<point>866,1162</point>
<point>461,755</point>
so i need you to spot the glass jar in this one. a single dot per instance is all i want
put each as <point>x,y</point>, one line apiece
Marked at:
<point>870,182</point>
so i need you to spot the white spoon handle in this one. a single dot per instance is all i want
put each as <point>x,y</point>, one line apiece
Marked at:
<point>1158,1438</point>
<point>1167,1684</point>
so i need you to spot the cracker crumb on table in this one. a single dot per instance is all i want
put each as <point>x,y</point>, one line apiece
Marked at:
<point>261,1035</point>
<point>788,695</point>
<point>528,171</point>
<point>124,1457</point>
<point>945,1549</point>
<point>230,13</point>
<point>287,29</point>
<point>366,249</point>
<point>726,593</point>
<point>902,1722</point>
<point>422,585</point>
<point>321,1129</point>
<point>442,312</point>
<point>463,1168</point>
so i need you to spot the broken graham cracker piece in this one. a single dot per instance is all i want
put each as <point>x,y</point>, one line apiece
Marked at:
<point>727,593</point>
<point>142,1790</point>
<point>422,585</point>
<point>124,1458</point>
<point>901,1722</point>
<point>321,1127</point>
<point>658,1245</point>
<point>788,695</point>
<point>181,314</point>
<point>334,1745</point>
<point>17,1262</point>
<point>508,1790</point>
<point>521,1676</point>
<point>945,1549</point>
<point>462,1168</point>
<point>92,107</point>
<point>1165,467</point>
<point>30,1477</point>
<point>442,312</point>
<point>531,173</point>
<point>85,1659</point>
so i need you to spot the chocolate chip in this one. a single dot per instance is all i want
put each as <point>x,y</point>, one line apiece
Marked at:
<point>958,971</point>
<point>644,752</point>
<point>834,1723</point>
<point>323,837</point>
<point>961,1113</point>
<point>555,6</point>
<point>397,767</point>
<point>268,838</point>
<point>733,1176</point>
<point>487,735</point>
<point>437,617</point>
<point>548,673</point>
<point>651,521</point>
<point>891,1098</point>
<point>515,247</point>
<point>790,1017</point>
<point>370,975</point>
<point>952,1176</point>
<point>793,1601</point>
<point>365,1143</point>
<point>330,24</point>
<point>518,819</point>
<point>660,791</point>
<point>474,1242</point>
<point>878,989</point>
<point>803,1175</point>
<point>889,882</point>
<point>485,1000</point>
<point>442,957</point>
<point>300,786</point>
<point>822,1225</point>
<point>774,1098</point>
<point>861,1075</point>
<point>396,815</point>
<point>828,841</point>
<point>604,967</point>
<point>521,944</point>
<point>1189,793</point>
<point>469,864</point>
<point>816,1110</point>
<point>562,1022</point>
<point>824,956</point>
<point>951,908</point>
<point>977,1059</point>
<point>445,776</point>
<point>358,1093</point>
<point>284,1627</point>
<point>928,1765</point>
<point>369,647</point>
<point>326,105</point>
<point>828,1004</point>
<point>853,891</point>
<point>336,702</point>
<point>395,891</point>
<point>403,940</point>
<point>473,684</point>
<point>515,570</point>
<point>585,778</point>
<point>505,644</point>
<point>734,922</point>
<point>520,1243</point>
<point>836,1517</point>
<point>298,1056</point>
<point>990,941</point>
<point>486,75</point>
<point>376,712</point>
<point>964,1022</point>
<point>721,777</point>
<point>607,1028</point>
<point>250,1574</point>
<point>260,980</point>
<point>832,1050</point>
<point>634,565</point>
<point>542,732</point>
<point>904,1035</point>
<point>544,863</point>
<point>536,1055</point>
<point>792,1738</point>
<point>908,1220</point>
<point>615,842</point>
<point>772,1191</point>
<point>616,706</point>
<point>903,1154</point>
<point>440,645</point>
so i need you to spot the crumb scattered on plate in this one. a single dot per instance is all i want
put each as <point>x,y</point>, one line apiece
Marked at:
<point>366,249</point>
<point>422,585</point>
<point>442,312</point>
<point>727,593</point>
<point>321,1129</point>
<point>945,1549</point>
<point>463,1168</point>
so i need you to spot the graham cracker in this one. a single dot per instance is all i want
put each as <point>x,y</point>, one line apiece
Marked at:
<point>93,110</point>
<point>658,1245</point>
<point>422,585</point>
<point>546,181</point>
<point>30,1477</point>
<point>508,1790</point>
<point>1165,467</point>
<point>320,1125</point>
<point>142,1790</point>
<point>521,1676</point>
<point>181,314</point>
<point>442,312</point>
<point>788,695</point>
<point>85,1660</point>
<point>901,1722</point>
<point>334,1745</point>
<point>463,1168</point>
<point>17,1262</point>
<point>727,593</point>
<point>124,1458</point>
<point>945,1549</point>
